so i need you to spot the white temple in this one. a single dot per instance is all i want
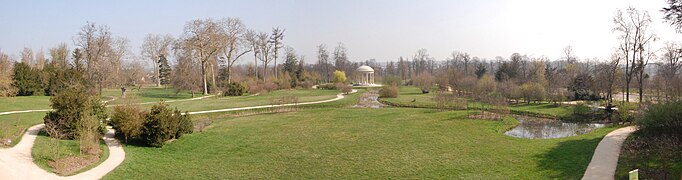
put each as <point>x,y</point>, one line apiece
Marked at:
<point>365,75</point>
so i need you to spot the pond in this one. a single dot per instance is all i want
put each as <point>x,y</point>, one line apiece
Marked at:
<point>533,128</point>
<point>369,100</point>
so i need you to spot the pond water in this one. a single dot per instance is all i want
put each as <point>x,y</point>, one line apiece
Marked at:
<point>546,129</point>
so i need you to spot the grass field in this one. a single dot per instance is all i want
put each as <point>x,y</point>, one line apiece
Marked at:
<point>24,103</point>
<point>413,97</point>
<point>12,126</point>
<point>354,143</point>
<point>147,94</point>
<point>46,149</point>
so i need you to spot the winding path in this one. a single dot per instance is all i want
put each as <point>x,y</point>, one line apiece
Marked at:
<point>17,162</point>
<point>605,158</point>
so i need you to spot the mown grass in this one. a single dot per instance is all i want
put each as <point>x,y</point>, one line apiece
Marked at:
<point>45,149</point>
<point>413,97</point>
<point>356,143</point>
<point>24,103</point>
<point>12,126</point>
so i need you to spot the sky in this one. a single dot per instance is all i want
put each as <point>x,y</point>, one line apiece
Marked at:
<point>370,29</point>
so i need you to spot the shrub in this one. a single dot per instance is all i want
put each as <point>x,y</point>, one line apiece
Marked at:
<point>255,87</point>
<point>345,89</point>
<point>389,92</point>
<point>234,89</point>
<point>306,84</point>
<point>163,124</point>
<point>128,121</point>
<point>662,119</point>
<point>27,80</point>
<point>327,86</point>
<point>339,76</point>
<point>269,86</point>
<point>70,107</point>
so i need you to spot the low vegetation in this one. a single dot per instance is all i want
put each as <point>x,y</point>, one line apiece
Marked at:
<point>153,128</point>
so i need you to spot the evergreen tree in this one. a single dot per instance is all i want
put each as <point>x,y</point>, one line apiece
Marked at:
<point>164,70</point>
<point>27,80</point>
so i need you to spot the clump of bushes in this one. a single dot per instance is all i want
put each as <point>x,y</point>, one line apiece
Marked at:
<point>662,119</point>
<point>345,88</point>
<point>71,106</point>
<point>389,92</point>
<point>153,128</point>
<point>235,89</point>
<point>327,86</point>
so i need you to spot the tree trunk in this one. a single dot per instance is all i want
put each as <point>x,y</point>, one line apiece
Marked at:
<point>203,78</point>
<point>158,78</point>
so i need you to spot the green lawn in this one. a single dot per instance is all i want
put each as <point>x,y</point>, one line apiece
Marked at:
<point>24,103</point>
<point>147,94</point>
<point>46,149</point>
<point>354,143</point>
<point>304,95</point>
<point>12,126</point>
<point>411,96</point>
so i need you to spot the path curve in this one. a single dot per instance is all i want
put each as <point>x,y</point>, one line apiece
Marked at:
<point>605,158</point>
<point>17,162</point>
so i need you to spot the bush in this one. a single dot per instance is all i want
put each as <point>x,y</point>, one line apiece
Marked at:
<point>389,92</point>
<point>583,113</point>
<point>306,84</point>
<point>339,76</point>
<point>128,121</point>
<point>163,124</point>
<point>424,81</point>
<point>235,89</point>
<point>327,86</point>
<point>269,86</point>
<point>662,119</point>
<point>27,80</point>
<point>71,106</point>
<point>345,89</point>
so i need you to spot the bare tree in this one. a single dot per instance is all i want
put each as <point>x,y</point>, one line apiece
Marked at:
<point>323,60</point>
<point>635,37</point>
<point>251,38</point>
<point>27,56</point>
<point>568,54</point>
<point>341,57</point>
<point>234,45</point>
<point>671,64</point>
<point>95,43</point>
<point>201,37</point>
<point>265,51</point>
<point>154,46</point>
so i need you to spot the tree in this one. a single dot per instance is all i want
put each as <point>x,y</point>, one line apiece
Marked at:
<point>200,37</point>
<point>323,61</point>
<point>480,71</point>
<point>234,45</point>
<point>673,14</point>
<point>341,57</point>
<point>533,91</point>
<point>568,55</point>
<point>276,40</point>
<point>26,79</point>
<point>424,81</point>
<point>251,37</point>
<point>155,46</point>
<point>6,71</point>
<point>291,64</point>
<point>186,73</point>
<point>671,63</point>
<point>635,39</point>
<point>164,70</point>
<point>95,43</point>
<point>265,51</point>
<point>339,77</point>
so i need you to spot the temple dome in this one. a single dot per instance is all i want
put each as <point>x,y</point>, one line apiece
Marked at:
<point>364,68</point>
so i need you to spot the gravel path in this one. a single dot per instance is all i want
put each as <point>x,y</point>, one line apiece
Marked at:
<point>605,158</point>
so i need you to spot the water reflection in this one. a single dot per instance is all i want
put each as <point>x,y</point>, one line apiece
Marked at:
<point>369,100</point>
<point>546,129</point>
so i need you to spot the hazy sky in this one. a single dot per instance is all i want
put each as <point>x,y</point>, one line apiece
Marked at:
<point>383,30</point>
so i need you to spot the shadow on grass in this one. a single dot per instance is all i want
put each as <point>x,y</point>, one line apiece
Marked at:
<point>569,159</point>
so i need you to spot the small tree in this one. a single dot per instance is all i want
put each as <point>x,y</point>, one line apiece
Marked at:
<point>164,70</point>
<point>26,79</point>
<point>128,119</point>
<point>339,76</point>
<point>424,81</point>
